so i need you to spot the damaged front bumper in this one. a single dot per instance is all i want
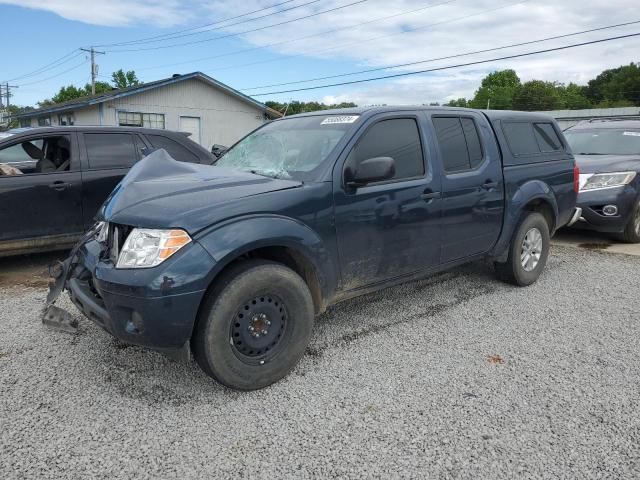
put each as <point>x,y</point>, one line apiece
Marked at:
<point>152,307</point>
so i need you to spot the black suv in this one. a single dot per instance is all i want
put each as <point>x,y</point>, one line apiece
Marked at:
<point>608,154</point>
<point>54,179</point>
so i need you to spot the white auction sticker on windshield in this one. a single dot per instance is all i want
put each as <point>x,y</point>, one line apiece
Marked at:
<point>339,119</point>
<point>633,134</point>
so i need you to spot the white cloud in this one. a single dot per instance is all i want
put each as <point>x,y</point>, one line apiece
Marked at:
<point>448,27</point>
<point>113,12</point>
<point>455,27</point>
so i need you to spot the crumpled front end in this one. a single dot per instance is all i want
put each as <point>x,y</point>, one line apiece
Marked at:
<point>152,307</point>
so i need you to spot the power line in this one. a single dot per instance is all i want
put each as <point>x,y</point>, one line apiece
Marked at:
<point>373,39</point>
<point>229,35</point>
<point>406,74</point>
<point>325,32</point>
<point>228,25</point>
<point>56,63</point>
<point>556,37</point>
<point>56,75</point>
<point>170,35</point>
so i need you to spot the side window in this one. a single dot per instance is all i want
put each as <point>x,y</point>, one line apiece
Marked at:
<point>173,148</point>
<point>397,138</point>
<point>109,150</point>
<point>459,143</point>
<point>521,138</point>
<point>37,155</point>
<point>547,137</point>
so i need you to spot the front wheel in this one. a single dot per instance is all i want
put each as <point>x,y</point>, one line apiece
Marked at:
<point>631,232</point>
<point>254,325</point>
<point>528,252</point>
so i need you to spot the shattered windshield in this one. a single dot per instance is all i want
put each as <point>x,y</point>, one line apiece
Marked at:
<point>606,141</point>
<point>288,148</point>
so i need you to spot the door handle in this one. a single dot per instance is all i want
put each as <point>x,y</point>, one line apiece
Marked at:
<point>489,185</point>
<point>59,186</point>
<point>428,196</point>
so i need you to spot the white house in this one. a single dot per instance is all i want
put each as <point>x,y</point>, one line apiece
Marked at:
<point>210,111</point>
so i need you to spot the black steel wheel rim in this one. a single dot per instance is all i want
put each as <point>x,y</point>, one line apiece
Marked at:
<point>258,329</point>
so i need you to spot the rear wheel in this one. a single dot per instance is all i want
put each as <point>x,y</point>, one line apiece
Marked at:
<point>528,252</point>
<point>631,232</point>
<point>254,325</point>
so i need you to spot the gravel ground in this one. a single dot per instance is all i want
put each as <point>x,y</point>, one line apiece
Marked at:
<point>458,376</point>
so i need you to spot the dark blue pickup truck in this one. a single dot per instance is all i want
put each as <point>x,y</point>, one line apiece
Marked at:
<point>232,262</point>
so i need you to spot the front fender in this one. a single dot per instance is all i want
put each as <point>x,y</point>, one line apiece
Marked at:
<point>229,240</point>
<point>517,199</point>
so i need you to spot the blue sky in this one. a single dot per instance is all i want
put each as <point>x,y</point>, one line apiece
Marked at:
<point>368,34</point>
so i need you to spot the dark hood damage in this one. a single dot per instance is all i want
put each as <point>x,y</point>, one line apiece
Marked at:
<point>608,163</point>
<point>160,192</point>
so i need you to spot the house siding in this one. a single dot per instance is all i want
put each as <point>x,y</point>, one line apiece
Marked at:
<point>224,119</point>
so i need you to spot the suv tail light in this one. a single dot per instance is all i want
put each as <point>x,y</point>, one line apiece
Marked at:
<point>576,178</point>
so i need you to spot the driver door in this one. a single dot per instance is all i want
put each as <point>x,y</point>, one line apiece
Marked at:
<point>40,208</point>
<point>390,229</point>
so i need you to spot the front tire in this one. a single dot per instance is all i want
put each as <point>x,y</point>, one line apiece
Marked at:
<point>254,326</point>
<point>528,252</point>
<point>631,232</point>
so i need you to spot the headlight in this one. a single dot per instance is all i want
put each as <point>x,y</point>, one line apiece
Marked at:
<point>605,180</point>
<point>146,248</point>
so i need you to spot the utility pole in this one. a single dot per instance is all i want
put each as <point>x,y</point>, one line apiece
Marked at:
<point>94,67</point>
<point>7,94</point>
<point>489,103</point>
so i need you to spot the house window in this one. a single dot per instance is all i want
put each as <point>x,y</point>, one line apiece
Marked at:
<point>66,119</point>
<point>44,121</point>
<point>139,119</point>
<point>25,122</point>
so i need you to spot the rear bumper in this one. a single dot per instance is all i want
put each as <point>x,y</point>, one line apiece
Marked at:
<point>154,308</point>
<point>624,198</point>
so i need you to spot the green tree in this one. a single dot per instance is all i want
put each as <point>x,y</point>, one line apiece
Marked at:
<point>496,91</point>
<point>295,106</point>
<point>71,92</point>
<point>459,102</point>
<point>122,79</point>
<point>573,97</point>
<point>616,87</point>
<point>537,95</point>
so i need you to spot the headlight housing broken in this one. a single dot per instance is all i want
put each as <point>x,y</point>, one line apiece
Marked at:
<point>146,248</point>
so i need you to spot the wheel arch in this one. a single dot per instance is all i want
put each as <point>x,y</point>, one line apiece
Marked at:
<point>279,239</point>
<point>532,196</point>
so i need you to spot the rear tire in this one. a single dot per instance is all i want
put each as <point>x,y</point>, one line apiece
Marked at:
<point>528,252</point>
<point>631,232</point>
<point>254,326</point>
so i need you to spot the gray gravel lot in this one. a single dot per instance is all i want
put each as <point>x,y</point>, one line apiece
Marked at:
<point>404,383</point>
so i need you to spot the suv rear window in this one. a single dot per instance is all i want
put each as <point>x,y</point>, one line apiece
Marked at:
<point>110,150</point>
<point>173,148</point>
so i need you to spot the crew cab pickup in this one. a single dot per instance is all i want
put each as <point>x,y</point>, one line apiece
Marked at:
<point>233,261</point>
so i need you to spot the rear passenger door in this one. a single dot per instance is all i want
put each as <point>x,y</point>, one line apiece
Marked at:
<point>107,157</point>
<point>472,185</point>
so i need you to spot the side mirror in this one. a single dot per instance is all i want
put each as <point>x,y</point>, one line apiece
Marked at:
<point>218,150</point>
<point>371,170</point>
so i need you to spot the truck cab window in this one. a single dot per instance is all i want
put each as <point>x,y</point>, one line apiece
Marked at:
<point>459,143</point>
<point>36,155</point>
<point>397,138</point>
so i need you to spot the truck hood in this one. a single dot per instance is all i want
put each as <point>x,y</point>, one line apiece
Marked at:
<point>160,192</point>
<point>608,163</point>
